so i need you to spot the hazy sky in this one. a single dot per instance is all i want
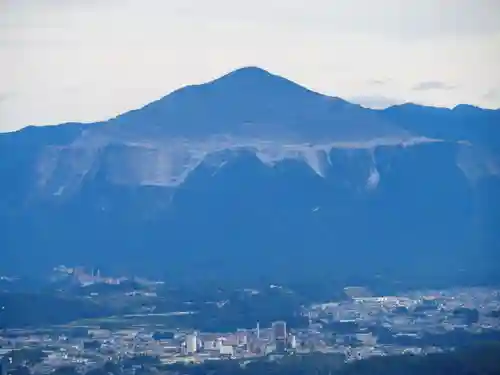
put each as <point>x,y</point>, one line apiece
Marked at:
<point>85,60</point>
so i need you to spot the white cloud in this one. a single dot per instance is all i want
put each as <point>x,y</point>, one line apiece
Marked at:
<point>374,101</point>
<point>64,60</point>
<point>433,85</point>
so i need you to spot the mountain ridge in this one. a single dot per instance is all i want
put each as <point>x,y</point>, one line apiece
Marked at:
<point>248,108</point>
<point>274,176</point>
<point>255,71</point>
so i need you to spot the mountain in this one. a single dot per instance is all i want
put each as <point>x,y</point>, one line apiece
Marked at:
<point>253,176</point>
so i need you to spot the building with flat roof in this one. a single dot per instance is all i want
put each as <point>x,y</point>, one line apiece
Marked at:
<point>191,344</point>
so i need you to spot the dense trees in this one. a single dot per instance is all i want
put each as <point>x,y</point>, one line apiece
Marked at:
<point>478,360</point>
<point>242,309</point>
<point>25,356</point>
<point>473,360</point>
<point>38,309</point>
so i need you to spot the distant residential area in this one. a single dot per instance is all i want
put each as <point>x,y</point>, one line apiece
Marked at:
<point>357,326</point>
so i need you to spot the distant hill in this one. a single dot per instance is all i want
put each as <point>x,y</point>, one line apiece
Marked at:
<point>252,176</point>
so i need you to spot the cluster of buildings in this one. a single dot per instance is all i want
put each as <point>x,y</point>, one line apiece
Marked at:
<point>418,322</point>
<point>244,343</point>
<point>82,276</point>
<point>351,328</point>
<point>91,347</point>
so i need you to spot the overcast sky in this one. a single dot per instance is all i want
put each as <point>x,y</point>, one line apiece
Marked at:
<point>87,60</point>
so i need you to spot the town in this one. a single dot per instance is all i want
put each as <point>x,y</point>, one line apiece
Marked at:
<point>357,327</point>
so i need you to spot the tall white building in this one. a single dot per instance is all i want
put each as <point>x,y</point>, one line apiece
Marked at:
<point>226,350</point>
<point>191,344</point>
<point>219,343</point>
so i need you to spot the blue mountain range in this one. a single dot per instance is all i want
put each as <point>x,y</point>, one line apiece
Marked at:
<point>252,176</point>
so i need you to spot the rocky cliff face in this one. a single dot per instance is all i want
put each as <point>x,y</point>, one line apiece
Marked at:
<point>252,175</point>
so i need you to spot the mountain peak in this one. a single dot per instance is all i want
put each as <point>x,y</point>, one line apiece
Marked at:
<point>254,103</point>
<point>248,72</point>
<point>255,77</point>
